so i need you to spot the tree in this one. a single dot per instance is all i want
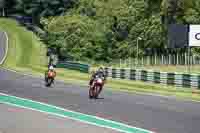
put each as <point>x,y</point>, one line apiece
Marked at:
<point>42,8</point>
<point>174,10</point>
<point>191,14</point>
<point>108,29</point>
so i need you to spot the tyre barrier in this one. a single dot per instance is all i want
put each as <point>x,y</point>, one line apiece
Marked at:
<point>175,79</point>
<point>74,66</point>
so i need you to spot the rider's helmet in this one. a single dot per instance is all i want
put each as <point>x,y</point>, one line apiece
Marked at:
<point>51,68</point>
<point>100,69</point>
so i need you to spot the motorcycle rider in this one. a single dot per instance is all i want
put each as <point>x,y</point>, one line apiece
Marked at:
<point>100,72</point>
<point>50,69</point>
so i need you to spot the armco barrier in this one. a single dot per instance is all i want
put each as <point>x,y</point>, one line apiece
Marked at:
<point>74,66</point>
<point>177,79</point>
<point>3,46</point>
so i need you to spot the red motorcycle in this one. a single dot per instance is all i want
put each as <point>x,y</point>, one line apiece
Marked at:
<point>96,87</point>
<point>49,79</point>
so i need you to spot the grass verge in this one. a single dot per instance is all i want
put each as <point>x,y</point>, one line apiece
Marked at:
<point>25,50</point>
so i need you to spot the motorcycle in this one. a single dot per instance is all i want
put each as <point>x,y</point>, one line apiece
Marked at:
<point>96,87</point>
<point>49,79</point>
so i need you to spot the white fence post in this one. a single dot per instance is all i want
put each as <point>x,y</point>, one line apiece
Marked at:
<point>177,59</point>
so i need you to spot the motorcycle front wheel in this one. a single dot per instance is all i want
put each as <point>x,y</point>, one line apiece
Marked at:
<point>91,95</point>
<point>49,82</point>
<point>96,92</point>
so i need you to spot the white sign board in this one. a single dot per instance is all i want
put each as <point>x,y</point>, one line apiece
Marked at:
<point>194,35</point>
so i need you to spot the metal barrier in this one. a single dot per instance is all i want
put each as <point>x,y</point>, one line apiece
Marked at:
<point>176,79</point>
<point>74,66</point>
<point>3,46</point>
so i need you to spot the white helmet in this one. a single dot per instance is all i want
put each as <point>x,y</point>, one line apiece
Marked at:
<point>51,68</point>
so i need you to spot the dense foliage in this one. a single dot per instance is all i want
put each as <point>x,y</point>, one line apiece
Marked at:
<point>35,8</point>
<point>105,29</point>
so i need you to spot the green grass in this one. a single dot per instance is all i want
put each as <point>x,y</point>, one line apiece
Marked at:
<point>25,51</point>
<point>27,54</point>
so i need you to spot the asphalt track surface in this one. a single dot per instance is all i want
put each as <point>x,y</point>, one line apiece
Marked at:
<point>159,114</point>
<point>19,120</point>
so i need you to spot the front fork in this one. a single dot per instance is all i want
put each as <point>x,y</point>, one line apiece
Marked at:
<point>92,87</point>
